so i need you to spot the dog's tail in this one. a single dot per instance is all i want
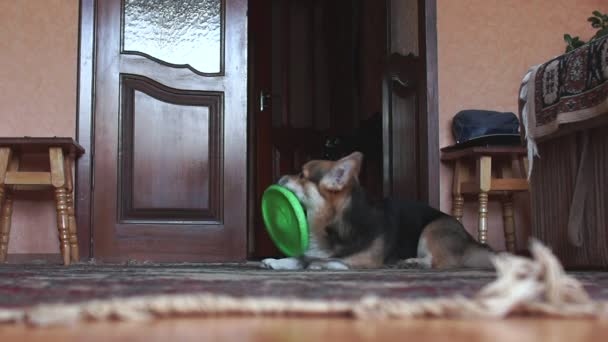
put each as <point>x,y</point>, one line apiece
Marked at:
<point>478,256</point>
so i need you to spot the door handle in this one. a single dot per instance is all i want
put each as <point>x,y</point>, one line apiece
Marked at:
<point>264,100</point>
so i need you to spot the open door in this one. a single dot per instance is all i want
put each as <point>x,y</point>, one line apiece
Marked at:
<point>168,128</point>
<point>410,104</point>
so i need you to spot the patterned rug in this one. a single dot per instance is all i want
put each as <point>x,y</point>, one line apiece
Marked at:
<point>29,285</point>
<point>568,88</point>
<point>43,295</point>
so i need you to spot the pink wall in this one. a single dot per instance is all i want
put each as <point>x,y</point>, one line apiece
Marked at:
<point>485,48</point>
<point>38,54</point>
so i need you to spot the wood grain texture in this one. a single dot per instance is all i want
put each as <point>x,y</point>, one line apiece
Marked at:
<point>171,143</point>
<point>63,224</point>
<point>72,224</point>
<point>84,132</point>
<point>5,157</point>
<point>41,144</point>
<point>411,168</point>
<point>492,151</point>
<point>168,236</point>
<point>319,329</point>
<point>28,178</point>
<point>497,185</point>
<point>6,212</point>
<point>552,189</point>
<point>508,222</point>
<point>57,164</point>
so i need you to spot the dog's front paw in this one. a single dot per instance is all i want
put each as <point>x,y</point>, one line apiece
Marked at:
<point>282,264</point>
<point>327,265</point>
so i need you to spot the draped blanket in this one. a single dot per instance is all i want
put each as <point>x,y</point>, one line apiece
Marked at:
<point>569,88</point>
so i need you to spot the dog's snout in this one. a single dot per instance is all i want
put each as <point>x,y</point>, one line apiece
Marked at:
<point>283,180</point>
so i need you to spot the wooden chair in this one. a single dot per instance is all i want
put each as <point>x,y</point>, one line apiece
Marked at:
<point>493,175</point>
<point>62,154</point>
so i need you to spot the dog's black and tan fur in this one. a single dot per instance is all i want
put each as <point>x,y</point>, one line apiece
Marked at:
<point>346,231</point>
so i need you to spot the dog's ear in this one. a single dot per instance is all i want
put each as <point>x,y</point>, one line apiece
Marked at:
<point>344,171</point>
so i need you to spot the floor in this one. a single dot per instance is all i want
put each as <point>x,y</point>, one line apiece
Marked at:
<point>117,279</point>
<point>306,329</point>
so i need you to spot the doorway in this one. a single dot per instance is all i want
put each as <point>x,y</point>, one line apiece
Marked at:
<point>320,88</point>
<point>316,69</point>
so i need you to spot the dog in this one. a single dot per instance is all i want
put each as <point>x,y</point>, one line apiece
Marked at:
<point>346,231</point>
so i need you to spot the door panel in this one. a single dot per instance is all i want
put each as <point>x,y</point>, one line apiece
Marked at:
<point>170,166</point>
<point>170,130</point>
<point>410,113</point>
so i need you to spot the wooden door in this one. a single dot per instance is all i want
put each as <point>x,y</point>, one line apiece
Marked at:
<point>170,130</point>
<point>410,105</point>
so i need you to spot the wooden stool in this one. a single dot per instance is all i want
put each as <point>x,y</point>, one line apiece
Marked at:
<point>493,175</point>
<point>62,154</point>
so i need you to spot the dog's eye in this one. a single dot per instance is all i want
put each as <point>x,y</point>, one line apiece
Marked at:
<point>301,175</point>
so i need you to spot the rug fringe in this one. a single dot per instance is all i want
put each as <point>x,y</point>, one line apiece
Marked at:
<point>537,286</point>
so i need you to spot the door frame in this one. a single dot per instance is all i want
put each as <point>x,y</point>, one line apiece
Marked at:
<point>429,168</point>
<point>427,162</point>
<point>85,100</point>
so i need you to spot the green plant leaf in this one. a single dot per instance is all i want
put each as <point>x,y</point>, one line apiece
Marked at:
<point>595,22</point>
<point>601,33</point>
<point>599,21</point>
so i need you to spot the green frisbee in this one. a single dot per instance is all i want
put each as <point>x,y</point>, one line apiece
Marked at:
<point>285,220</point>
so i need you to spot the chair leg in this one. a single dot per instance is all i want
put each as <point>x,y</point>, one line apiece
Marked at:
<point>6,210</point>
<point>63,223</point>
<point>509,222</point>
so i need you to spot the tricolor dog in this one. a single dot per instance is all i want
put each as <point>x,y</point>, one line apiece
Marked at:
<point>347,231</point>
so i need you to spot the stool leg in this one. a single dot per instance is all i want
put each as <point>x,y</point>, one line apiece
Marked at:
<point>484,172</point>
<point>63,223</point>
<point>6,210</point>
<point>8,161</point>
<point>509,222</point>
<point>523,167</point>
<point>482,230</point>
<point>72,229</point>
<point>460,175</point>
<point>75,255</point>
<point>457,206</point>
